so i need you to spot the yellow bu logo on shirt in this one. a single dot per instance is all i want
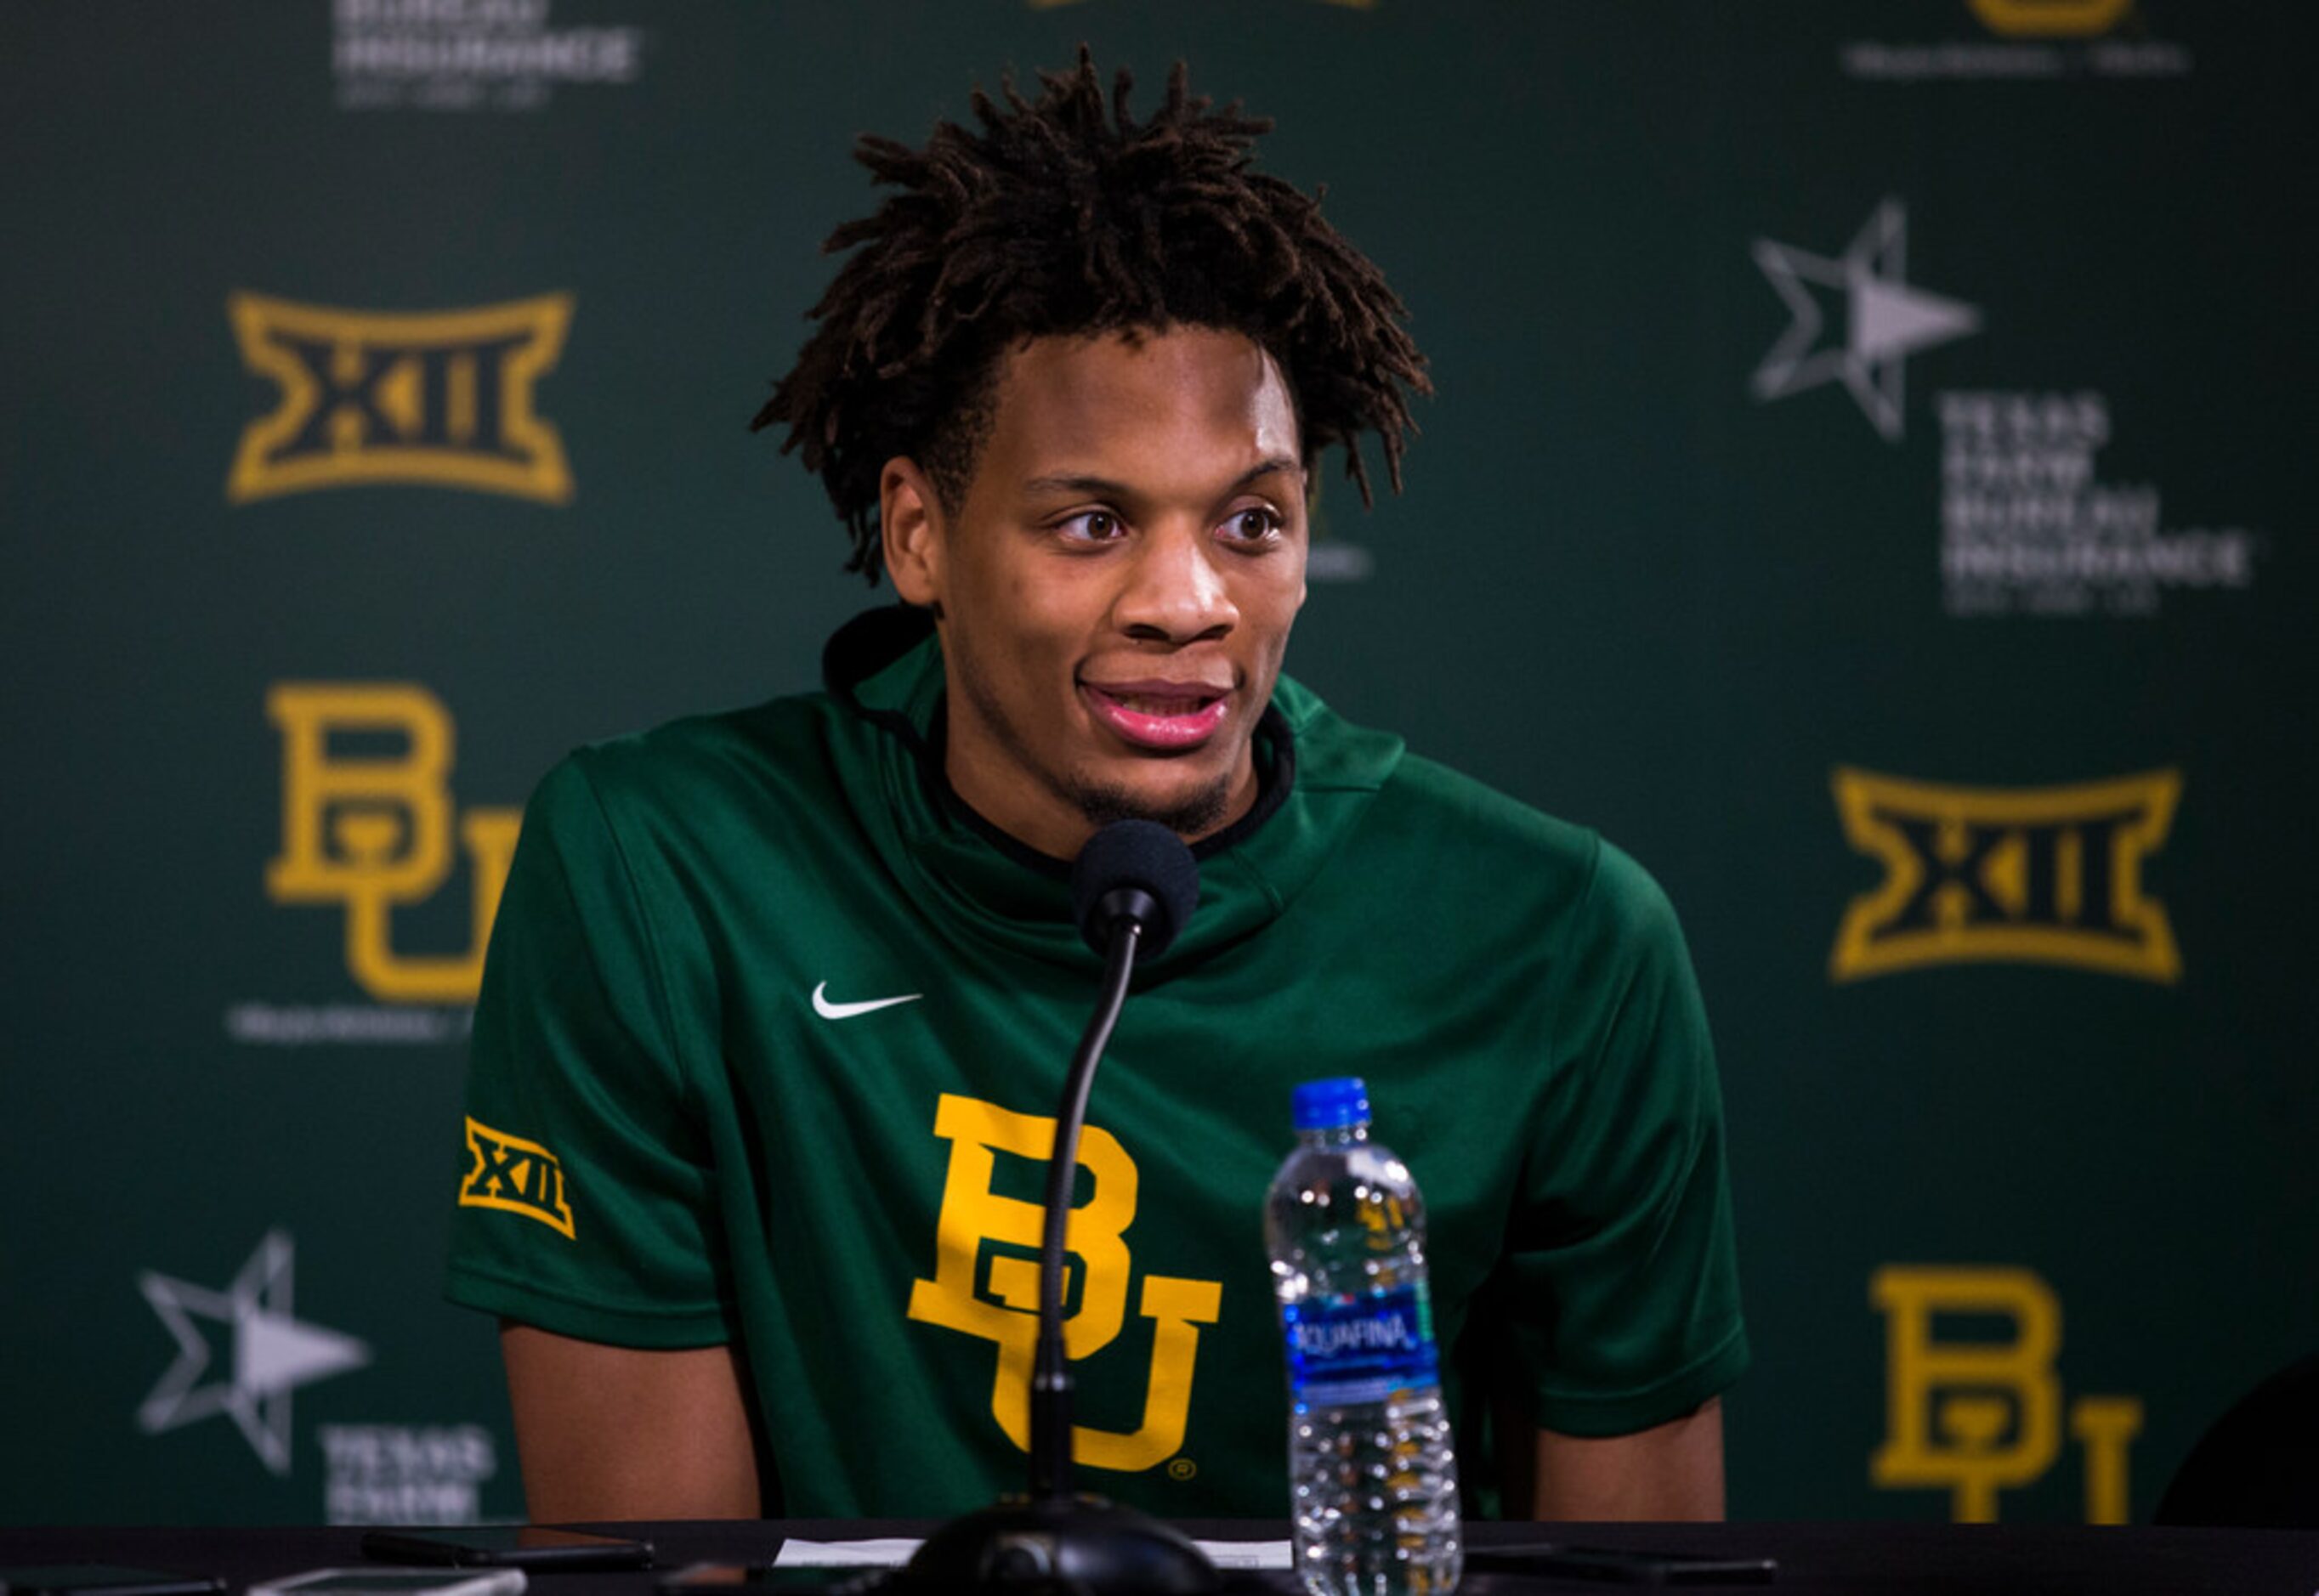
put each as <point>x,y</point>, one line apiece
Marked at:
<point>1007,1311</point>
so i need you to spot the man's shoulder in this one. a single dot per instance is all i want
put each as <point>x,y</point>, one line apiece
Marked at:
<point>1477,825</point>
<point>1485,843</point>
<point>688,770</point>
<point>1423,802</point>
<point>786,737</point>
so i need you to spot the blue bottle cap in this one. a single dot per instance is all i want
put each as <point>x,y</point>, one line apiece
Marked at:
<point>1328,1104</point>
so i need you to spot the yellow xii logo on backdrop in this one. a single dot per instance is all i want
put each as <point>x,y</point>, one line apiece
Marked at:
<point>1976,1416</point>
<point>2042,874</point>
<point>373,832</point>
<point>996,1296</point>
<point>377,396</point>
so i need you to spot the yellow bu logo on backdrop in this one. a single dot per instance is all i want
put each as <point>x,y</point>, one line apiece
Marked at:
<point>1977,1415</point>
<point>374,832</point>
<point>375,396</point>
<point>2050,19</point>
<point>2040,874</point>
<point>973,1216</point>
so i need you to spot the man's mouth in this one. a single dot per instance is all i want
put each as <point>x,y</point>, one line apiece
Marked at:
<point>1159,715</point>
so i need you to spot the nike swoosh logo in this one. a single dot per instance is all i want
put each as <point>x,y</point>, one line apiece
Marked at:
<point>828,1010</point>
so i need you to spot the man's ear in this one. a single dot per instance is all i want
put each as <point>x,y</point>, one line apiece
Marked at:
<point>910,521</point>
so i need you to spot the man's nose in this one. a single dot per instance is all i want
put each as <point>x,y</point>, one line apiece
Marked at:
<point>1173,590</point>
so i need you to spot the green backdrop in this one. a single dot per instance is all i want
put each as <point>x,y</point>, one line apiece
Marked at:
<point>1866,482</point>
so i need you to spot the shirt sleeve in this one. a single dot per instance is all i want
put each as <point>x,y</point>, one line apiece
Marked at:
<point>585,1204</point>
<point>1620,1264</point>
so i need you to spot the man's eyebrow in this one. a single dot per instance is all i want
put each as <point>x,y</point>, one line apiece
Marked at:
<point>1099,487</point>
<point>1103,487</point>
<point>1264,468</point>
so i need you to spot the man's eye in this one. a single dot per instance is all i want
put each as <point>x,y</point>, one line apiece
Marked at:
<point>1253,525</point>
<point>1093,525</point>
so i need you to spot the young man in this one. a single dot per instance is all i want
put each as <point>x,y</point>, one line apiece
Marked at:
<point>779,1002</point>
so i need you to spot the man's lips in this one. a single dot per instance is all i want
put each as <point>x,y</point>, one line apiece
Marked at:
<point>1168,716</point>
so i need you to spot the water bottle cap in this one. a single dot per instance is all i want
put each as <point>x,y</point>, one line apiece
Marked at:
<point>1331,1105</point>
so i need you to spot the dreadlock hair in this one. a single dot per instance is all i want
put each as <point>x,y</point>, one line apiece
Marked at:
<point>1064,217</point>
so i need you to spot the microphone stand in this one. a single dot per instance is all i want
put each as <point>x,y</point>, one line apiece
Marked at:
<point>1053,1540</point>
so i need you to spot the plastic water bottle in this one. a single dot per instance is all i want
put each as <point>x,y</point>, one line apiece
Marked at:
<point>1372,1474</point>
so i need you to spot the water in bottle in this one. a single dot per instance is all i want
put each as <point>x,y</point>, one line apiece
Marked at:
<point>1373,1480</point>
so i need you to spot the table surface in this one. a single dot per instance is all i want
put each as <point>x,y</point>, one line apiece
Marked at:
<point>1904,1559</point>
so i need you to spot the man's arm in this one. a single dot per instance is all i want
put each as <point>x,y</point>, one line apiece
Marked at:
<point>616,1433</point>
<point>1670,1470</point>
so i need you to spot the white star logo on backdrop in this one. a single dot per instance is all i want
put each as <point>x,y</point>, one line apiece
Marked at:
<point>274,1352</point>
<point>1886,320</point>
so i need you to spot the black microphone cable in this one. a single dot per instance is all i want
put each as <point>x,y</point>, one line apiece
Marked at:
<point>1133,886</point>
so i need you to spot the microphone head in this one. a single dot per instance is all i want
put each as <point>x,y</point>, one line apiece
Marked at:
<point>1136,868</point>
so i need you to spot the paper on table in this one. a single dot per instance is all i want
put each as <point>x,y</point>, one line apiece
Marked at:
<point>893,1554</point>
<point>1247,1554</point>
<point>844,1554</point>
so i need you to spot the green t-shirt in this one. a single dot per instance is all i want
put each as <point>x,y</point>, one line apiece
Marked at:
<point>771,1035</point>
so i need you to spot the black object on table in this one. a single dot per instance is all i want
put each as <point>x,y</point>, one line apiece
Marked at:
<point>540,1549</point>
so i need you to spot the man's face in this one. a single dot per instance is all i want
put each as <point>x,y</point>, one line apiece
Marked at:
<point>1116,590</point>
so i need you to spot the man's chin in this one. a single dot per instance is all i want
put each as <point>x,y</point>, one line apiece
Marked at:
<point>1188,812</point>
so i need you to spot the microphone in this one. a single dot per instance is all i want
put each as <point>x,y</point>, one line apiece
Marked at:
<point>1133,888</point>
<point>1138,870</point>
